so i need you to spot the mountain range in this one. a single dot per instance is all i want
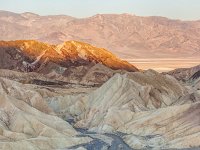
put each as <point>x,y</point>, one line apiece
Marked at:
<point>126,35</point>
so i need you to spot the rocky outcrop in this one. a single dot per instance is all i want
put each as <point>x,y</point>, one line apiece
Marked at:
<point>70,62</point>
<point>36,56</point>
<point>135,110</point>
<point>195,76</point>
<point>132,93</point>
<point>172,127</point>
<point>185,74</point>
<point>149,114</point>
<point>26,121</point>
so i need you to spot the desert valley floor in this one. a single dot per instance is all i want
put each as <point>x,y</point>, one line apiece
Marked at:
<point>164,64</point>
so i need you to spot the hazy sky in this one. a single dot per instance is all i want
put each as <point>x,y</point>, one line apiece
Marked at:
<point>178,9</point>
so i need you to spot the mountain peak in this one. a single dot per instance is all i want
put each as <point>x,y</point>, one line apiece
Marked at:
<point>91,53</point>
<point>29,15</point>
<point>67,53</point>
<point>128,14</point>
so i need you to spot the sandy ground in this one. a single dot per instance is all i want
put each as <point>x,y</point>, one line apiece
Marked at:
<point>163,65</point>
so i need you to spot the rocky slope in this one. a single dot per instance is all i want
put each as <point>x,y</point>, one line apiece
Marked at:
<point>26,121</point>
<point>71,61</point>
<point>127,35</point>
<point>139,110</point>
<point>148,112</point>
<point>186,74</point>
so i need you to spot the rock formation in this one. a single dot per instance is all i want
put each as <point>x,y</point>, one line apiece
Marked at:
<point>185,74</point>
<point>76,96</point>
<point>70,62</point>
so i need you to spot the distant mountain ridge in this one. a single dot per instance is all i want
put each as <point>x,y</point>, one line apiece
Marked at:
<point>129,36</point>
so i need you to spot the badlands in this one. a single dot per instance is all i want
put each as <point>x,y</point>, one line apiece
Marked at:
<point>77,96</point>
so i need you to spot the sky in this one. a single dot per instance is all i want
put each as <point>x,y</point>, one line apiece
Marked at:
<point>175,9</point>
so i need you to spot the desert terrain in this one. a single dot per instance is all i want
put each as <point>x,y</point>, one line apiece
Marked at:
<point>164,64</point>
<point>104,82</point>
<point>78,96</point>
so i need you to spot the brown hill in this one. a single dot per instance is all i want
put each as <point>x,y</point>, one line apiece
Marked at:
<point>66,54</point>
<point>71,61</point>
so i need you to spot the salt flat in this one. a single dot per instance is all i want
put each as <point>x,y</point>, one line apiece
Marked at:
<point>164,64</point>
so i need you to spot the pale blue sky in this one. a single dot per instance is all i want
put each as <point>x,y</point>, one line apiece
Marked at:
<point>177,9</point>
